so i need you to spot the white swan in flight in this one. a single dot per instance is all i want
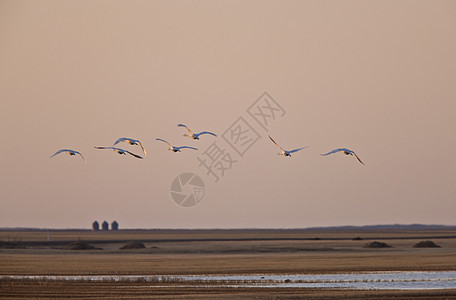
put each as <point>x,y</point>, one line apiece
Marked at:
<point>345,151</point>
<point>285,152</point>
<point>176,149</point>
<point>70,152</point>
<point>195,136</point>
<point>120,151</point>
<point>131,142</point>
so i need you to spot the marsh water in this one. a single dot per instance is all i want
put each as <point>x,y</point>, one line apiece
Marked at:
<point>372,280</point>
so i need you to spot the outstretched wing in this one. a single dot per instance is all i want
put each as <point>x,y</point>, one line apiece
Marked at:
<point>334,151</point>
<point>144,150</point>
<point>358,158</point>
<point>135,155</point>
<point>183,147</point>
<point>120,140</point>
<point>81,156</point>
<point>69,151</point>
<point>165,142</point>
<point>276,143</point>
<point>104,147</point>
<point>60,151</point>
<point>205,132</point>
<point>182,125</point>
<point>296,150</point>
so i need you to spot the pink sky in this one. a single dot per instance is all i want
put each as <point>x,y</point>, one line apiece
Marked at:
<point>377,77</point>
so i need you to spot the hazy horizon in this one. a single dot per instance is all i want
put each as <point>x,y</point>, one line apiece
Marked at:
<point>340,227</point>
<point>376,77</point>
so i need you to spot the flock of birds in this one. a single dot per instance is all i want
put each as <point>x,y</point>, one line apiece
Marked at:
<point>343,150</point>
<point>194,136</point>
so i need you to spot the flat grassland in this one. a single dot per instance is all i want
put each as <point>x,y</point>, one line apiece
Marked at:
<point>180,252</point>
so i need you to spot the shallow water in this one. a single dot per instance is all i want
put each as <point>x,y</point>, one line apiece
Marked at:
<point>378,280</point>
<point>373,280</point>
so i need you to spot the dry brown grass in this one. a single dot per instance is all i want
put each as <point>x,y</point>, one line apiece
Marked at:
<point>27,289</point>
<point>239,255</point>
<point>156,264</point>
<point>71,235</point>
<point>209,256</point>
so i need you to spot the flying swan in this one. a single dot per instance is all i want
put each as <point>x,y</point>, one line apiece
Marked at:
<point>120,151</point>
<point>131,142</point>
<point>174,148</point>
<point>70,152</point>
<point>285,152</point>
<point>195,136</point>
<point>345,151</point>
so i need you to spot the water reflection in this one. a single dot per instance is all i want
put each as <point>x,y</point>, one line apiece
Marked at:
<point>374,280</point>
<point>377,280</point>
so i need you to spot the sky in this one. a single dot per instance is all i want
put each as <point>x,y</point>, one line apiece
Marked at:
<point>377,77</point>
